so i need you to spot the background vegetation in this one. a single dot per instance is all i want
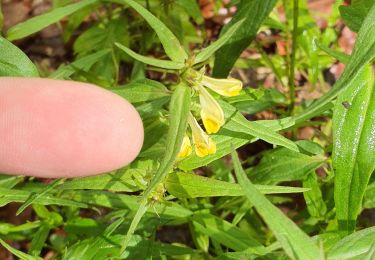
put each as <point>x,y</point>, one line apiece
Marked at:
<point>299,185</point>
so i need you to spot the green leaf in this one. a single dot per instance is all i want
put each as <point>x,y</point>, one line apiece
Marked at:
<point>254,12</point>
<point>37,23</point>
<point>189,185</point>
<point>9,182</point>
<point>13,62</point>
<point>39,240</point>
<point>35,196</point>
<point>354,14</point>
<point>314,200</point>
<point>353,246</point>
<point>252,101</point>
<point>18,253</point>
<point>206,53</point>
<point>179,111</point>
<point>192,8</point>
<point>84,64</point>
<point>165,64</point>
<point>353,146</point>
<point>121,201</point>
<point>227,234</point>
<point>275,166</point>
<point>363,52</point>
<point>294,241</point>
<point>142,90</point>
<point>238,125</point>
<point>122,180</point>
<point>226,143</point>
<point>171,45</point>
<point>13,195</point>
<point>369,200</point>
<point>340,56</point>
<point>108,248</point>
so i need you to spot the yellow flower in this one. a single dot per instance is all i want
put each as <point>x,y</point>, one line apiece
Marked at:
<point>226,87</point>
<point>203,144</point>
<point>186,148</point>
<point>211,112</point>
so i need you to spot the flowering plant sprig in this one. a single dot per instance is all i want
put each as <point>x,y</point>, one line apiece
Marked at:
<point>211,113</point>
<point>184,65</point>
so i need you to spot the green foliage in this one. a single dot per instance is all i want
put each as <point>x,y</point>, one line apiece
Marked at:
<point>13,62</point>
<point>229,53</point>
<point>278,198</point>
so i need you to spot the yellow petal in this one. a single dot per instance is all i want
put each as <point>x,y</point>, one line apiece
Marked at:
<point>186,148</point>
<point>211,112</point>
<point>203,144</point>
<point>204,149</point>
<point>226,87</point>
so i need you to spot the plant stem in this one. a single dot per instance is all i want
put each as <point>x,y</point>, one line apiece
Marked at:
<point>292,86</point>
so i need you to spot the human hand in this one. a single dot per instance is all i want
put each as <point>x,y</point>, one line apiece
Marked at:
<point>52,128</point>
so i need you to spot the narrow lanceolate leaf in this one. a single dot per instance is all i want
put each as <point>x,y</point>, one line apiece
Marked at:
<point>82,64</point>
<point>37,23</point>
<point>142,90</point>
<point>274,167</point>
<point>254,12</point>
<point>210,50</point>
<point>340,56</point>
<point>369,200</point>
<point>354,246</point>
<point>355,13</point>
<point>238,125</point>
<point>13,195</point>
<point>34,196</point>
<point>227,234</point>
<point>21,255</point>
<point>190,185</point>
<point>353,147</point>
<point>179,110</point>
<point>363,53</point>
<point>171,45</point>
<point>165,64</point>
<point>294,241</point>
<point>13,62</point>
<point>313,198</point>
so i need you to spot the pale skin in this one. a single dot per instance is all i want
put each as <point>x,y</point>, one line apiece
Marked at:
<point>53,129</point>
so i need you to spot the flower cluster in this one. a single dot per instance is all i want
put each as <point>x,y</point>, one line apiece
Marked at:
<point>211,113</point>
